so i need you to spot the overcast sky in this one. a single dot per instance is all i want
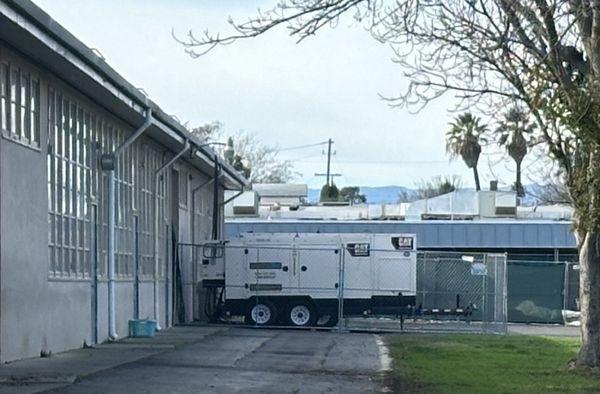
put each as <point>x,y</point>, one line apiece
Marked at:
<point>286,94</point>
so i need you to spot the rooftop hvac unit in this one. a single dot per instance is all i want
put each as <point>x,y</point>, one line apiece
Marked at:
<point>497,204</point>
<point>246,204</point>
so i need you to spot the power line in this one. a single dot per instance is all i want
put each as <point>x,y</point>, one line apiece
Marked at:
<point>381,161</point>
<point>303,158</point>
<point>304,146</point>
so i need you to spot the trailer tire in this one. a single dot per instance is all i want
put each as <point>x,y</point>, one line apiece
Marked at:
<point>261,313</point>
<point>302,314</point>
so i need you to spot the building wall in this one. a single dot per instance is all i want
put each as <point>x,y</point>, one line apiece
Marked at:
<point>53,213</point>
<point>492,234</point>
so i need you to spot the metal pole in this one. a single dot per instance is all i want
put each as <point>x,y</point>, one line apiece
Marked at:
<point>329,142</point>
<point>341,260</point>
<point>424,289</point>
<point>496,314</point>
<point>157,176</point>
<point>136,259</point>
<point>95,273</point>
<point>505,292</point>
<point>483,295</point>
<point>215,221</point>
<point>112,331</point>
<point>108,163</point>
<point>565,291</point>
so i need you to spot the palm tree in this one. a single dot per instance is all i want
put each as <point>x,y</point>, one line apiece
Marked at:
<point>464,139</point>
<point>515,131</point>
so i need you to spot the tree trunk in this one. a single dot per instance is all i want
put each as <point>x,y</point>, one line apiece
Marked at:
<point>476,176</point>
<point>518,184</point>
<point>589,296</point>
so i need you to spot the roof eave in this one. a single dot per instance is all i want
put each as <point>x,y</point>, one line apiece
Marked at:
<point>60,52</point>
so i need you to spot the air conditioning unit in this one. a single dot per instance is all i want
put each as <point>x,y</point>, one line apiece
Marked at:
<point>493,204</point>
<point>246,204</point>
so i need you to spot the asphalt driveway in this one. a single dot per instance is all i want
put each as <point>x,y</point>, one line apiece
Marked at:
<point>251,360</point>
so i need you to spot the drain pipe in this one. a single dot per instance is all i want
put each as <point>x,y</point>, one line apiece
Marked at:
<point>157,176</point>
<point>108,164</point>
<point>216,206</point>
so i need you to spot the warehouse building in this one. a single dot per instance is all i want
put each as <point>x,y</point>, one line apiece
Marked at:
<point>545,240</point>
<point>80,254</point>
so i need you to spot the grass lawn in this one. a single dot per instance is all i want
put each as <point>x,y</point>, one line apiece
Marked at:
<point>487,364</point>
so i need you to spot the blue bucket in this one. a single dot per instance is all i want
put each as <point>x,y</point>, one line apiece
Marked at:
<point>142,328</point>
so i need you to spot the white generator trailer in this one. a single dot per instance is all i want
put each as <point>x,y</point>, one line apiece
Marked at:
<point>299,279</point>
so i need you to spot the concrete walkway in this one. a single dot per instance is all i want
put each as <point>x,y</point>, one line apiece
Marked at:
<point>38,374</point>
<point>210,359</point>
<point>546,330</point>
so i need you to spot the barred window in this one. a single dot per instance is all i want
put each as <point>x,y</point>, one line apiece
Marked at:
<point>19,104</point>
<point>76,137</point>
<point>69,187</point>
<point>150,161</point>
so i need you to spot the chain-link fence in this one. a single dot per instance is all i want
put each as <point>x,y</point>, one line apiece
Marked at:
<point>376,285</point>
<point>464,292</point>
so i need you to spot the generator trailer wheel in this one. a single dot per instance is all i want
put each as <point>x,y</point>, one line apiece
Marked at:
<point>302,314</point>
<point>261,313</point>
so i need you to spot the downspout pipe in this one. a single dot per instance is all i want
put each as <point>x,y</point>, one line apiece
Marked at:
<point>108,163</point>
<point>157,176</point>
<point>216,206</point>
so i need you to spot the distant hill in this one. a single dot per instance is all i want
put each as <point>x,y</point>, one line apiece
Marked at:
<point>375,194</point>
<point>389,194</point>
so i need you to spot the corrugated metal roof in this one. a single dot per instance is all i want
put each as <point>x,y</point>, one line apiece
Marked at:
<point>505,234</point>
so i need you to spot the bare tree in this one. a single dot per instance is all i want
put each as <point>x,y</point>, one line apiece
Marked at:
<point>259,162</point>
<point>543,54</point>
<point>552,192</point>
<point>208,131</point>
<point>552,189</point>
<point>437,186</point>
<point>407,195</point>
<point>262,160</point>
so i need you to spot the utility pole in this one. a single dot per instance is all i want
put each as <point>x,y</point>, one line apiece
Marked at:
<point>328,174</point>
<point>329,142</point>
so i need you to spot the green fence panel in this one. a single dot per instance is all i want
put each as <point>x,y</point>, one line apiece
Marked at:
<point>535,292</point>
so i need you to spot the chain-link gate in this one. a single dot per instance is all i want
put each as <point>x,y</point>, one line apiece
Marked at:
<point>463,292</point>
<point>351,286</point>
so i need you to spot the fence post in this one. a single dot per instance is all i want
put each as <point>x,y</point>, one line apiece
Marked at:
<point>257,283</point>
<point>424,289</point>
<point>505,293</point>
<point>496,312</point>
<point>341,254</point>
<point>484,295</point>
<point>565,292</point>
